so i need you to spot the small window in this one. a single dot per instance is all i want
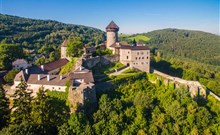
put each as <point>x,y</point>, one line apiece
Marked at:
<point>128,52</point>
<point>139,58</point>
<point>147,57</point>
<point>137,53</point>
<point>134,63</point>
<point>142,57</point>
<point>136,58</point>
<point>127,57</point>
<point>142,53</point>
<point>59,88</point>
<point>52,87</point>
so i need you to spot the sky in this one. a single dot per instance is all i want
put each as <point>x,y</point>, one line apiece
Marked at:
<point>132,16</point>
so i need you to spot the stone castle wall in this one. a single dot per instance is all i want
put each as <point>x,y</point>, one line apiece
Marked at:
<point>195,88</point>
<point>104,60</point>
<point>83,95</point>
<point>112,37</point>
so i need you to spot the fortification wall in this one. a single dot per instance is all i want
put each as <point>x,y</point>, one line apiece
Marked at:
<point>195,88</point>
<point>91,62</point>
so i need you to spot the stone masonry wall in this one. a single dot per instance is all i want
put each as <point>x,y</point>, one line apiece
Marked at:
<point>195,88</point>
<point>91,62</point>
<point>80,96</point>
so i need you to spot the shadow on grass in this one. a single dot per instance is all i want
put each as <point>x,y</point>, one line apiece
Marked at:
<point>166,67</point>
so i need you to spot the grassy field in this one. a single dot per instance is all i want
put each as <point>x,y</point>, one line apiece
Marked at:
<point>139,37</point>
<point>123,35</point>
<point>104,69</point>
<point>132,37</point>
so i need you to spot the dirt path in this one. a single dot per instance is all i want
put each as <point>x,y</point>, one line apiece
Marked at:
<point>119,72</point>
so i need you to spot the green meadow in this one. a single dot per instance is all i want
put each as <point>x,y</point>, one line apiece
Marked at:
<point>132,37</point>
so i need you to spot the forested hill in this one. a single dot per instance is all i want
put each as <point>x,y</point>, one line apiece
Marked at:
<point>200,46</point>
<point>32,33</point>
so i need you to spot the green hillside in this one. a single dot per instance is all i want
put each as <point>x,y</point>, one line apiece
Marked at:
<point>191,55</point>
<point>196,45</point>
<point>32,33</point>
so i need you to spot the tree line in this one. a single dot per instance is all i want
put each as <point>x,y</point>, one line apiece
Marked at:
<point>132,105</point>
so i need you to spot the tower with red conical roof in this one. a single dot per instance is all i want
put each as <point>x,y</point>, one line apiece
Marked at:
<point>112,34</point>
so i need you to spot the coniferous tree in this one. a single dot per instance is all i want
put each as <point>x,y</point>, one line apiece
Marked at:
<point>41,111</point>
<point>4,108</point>
<point>21,104</point>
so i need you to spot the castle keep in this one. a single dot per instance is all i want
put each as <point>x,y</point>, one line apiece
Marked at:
<point>135,55</point>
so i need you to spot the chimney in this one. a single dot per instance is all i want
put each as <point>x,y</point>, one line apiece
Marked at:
<point>42,67</point>
<point>61,77</point>
<point>26,71</point>
<point>38,77</point>
<point>48,77</point>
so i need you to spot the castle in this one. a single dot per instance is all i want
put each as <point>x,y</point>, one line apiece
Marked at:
<point>135,56</point>
<point>81,81</point>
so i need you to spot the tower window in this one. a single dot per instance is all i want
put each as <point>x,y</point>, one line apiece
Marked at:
<point>127,57</point>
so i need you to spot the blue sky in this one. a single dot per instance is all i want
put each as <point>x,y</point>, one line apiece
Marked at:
<point>132,16</point>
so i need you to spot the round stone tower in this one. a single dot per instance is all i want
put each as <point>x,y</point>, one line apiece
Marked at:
<point>112,34</point>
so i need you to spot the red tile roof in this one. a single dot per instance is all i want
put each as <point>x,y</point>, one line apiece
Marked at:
<point>112,25</point>
<point>87,76</point>
<point>134,47</point>
<point>64,44</point>
<point>54,80</point>
<point>19,62</point>
<point>119,44</point>
<point>55,64</point>
<point>124,45</point>
<point>19,76</point>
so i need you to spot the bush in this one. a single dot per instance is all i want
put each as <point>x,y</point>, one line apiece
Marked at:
<point>106,52</point>
<point>9,77</point>
<point>69,67</point>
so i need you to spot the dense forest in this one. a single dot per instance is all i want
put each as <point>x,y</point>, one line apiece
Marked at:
<point>133,105</point>
<point>191,55</point>
<point>33,34</point>
<point>42,37</point>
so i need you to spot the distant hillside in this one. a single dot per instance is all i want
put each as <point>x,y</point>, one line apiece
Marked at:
<point>196,45</point>
<point>32,33</point>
